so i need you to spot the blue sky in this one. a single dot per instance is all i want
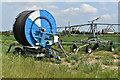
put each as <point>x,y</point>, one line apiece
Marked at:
<point>75,12</point>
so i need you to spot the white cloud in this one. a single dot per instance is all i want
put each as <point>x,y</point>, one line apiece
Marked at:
<point>34,7</point>
<point>52,6</point>
<point>70,9</point>
<point>105,9</point>
<point>84,8</point>
<point>106,16</point>
<point>42,6</point>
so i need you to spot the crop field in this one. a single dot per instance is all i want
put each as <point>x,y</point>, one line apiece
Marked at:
<point>99,64</point>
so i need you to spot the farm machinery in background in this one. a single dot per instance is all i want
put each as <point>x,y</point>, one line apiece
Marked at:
<point>36,33</point>
<point>93,41</point>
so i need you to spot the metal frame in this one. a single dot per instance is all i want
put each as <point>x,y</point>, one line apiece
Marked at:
<point>38,51</point>
<point>93,38</point>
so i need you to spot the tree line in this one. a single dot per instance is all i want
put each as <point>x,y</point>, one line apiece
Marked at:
<point>66,32</point>
<point>6,33</point>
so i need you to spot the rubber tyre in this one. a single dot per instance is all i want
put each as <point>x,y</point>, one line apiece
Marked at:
<point>112,48</point>
<point>18,28</point>
<point>88,49</point>
<point>96,46</point>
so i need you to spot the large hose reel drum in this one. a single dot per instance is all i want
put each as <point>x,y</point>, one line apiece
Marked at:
<point>28,27</point>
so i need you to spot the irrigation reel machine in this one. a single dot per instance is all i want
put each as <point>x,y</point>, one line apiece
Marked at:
<point>36,33</point>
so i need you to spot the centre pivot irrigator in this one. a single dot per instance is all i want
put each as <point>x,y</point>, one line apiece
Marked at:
<point>35,30</point>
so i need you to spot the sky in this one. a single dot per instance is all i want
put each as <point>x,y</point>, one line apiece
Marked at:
<point>74,12</point>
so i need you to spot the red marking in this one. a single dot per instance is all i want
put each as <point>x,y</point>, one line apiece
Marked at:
<point>40,73</point>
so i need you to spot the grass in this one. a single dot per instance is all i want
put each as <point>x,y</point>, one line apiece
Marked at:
<point>75,38</point>
<point>74,66</point>
<point>19,66</point>
<point>107,62</point>
<point>11,37</point>
<point>114,39</point>
<point>72,38</point>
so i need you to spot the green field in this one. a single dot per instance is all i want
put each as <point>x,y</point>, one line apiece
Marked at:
<point>74,38</point>
<point>99,64</point>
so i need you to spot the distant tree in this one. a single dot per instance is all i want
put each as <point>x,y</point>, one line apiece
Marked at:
<point>75,32</point>
<point>7,33</point>
<point>65,32</point>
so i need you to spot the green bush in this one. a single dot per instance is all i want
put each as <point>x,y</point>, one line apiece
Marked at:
<point>98,58</point>
<point>73,62</point>
<point>67,59</point>
<point>58,62</point>
<point>117,50</point>
<point>46,59</point>
<point>75,57</point>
